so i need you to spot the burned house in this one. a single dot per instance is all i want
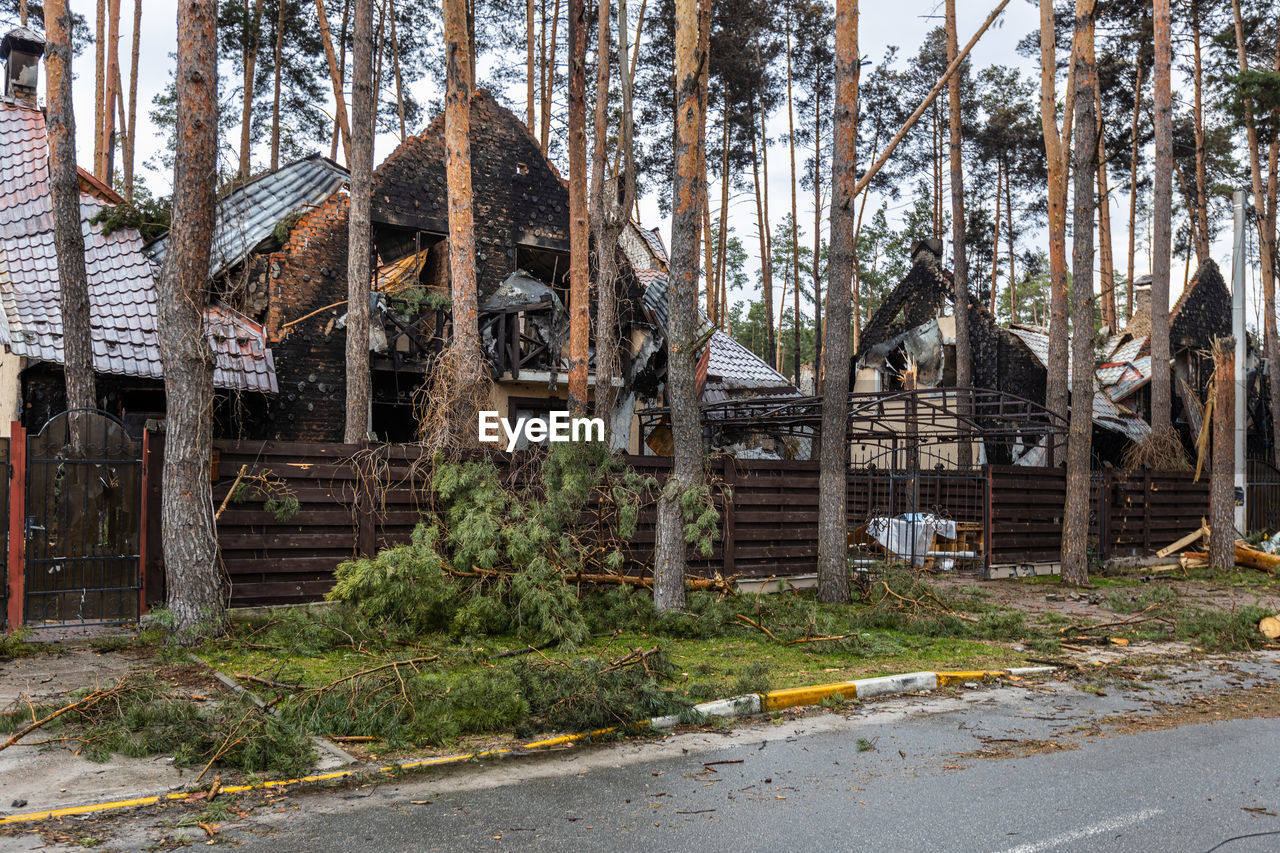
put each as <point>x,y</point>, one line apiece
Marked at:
<point>288,272</point>
<point>121,279</point>
<point>915,325</point>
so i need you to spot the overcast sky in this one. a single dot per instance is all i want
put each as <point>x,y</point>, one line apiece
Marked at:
<point>902,22</point>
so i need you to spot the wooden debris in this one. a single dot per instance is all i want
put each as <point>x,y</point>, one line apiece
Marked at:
<point>1183,542</point>
<point>1246,555</point>
<point>1270,627</point>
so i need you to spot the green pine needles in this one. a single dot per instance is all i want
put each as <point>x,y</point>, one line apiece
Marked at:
<point>497,556</point>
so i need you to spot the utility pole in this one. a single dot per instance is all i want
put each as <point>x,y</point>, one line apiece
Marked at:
<point>1238,302</point>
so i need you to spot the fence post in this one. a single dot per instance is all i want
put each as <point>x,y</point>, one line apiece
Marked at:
<point>17,523</point>
<point>366,539</point>
<point>728,547</point>
<point>988,523</point>
<point>1146,509</point>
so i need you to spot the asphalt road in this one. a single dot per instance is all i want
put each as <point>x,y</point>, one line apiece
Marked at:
<point>893,777</point>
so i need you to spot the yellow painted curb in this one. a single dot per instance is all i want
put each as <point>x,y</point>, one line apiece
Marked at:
<point>302,780</point>
<point>946,679</point>
<point>776,700</point>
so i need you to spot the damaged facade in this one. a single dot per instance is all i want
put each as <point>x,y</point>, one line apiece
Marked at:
<point>915,328</point>
<point>291,278</point>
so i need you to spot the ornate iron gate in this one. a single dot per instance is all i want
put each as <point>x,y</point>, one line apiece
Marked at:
<point>82,522</point>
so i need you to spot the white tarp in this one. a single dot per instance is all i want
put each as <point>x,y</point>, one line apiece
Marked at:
<point>910,536</point>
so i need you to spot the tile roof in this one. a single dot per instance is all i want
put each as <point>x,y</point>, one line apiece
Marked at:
<point>122,291</point>
<point>654,240</point>
<point>243,360</point>
<point>732,369</point>
<point>248,214</point>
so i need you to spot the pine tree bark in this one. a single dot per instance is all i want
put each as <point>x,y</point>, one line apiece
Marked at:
<point>579,271</point>
<point>194,592</point>
<point>1162,214</point>
<point>359,241</point>
<point>462,241</point>
<point>335,77</point>
<point>1264,206</point>
<point>1056,145</point>
<point>722,223</point>
<point>1222,491</point>
<point>68,238</point>
<point>833,481</point>
<point>669,560</point>
<point>995,240</point>
<point>1075,514</point>
<point>130,140</point>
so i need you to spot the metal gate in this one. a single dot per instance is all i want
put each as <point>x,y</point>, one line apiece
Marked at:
<point>82,523</point>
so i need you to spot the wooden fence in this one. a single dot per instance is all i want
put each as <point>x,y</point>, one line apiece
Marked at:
<point>769,526</point>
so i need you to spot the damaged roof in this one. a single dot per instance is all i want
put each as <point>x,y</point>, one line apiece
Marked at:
<point>732,370</point>
<point>122,288</point>
<point>248,215</point>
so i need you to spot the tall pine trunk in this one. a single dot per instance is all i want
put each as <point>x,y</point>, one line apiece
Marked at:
<point>548,80</point>
<point>131,123</point>
<point>960,270</point>
<point>1133,184</point>
<point>612,209</point>
<point>1222,492</point>
<point>1201,232</point>
<point>1107,266</point>
<point>194,589</point>
<point>249,61</point>
<point>1161,238</point>
<point>995,240</point>
<point>1075,514</point>
<point>579,285</point>
<point>1264,208</point>
<point>462,239</point>
<point>669,561</point>
<point>817,238</point>
<point>359,265</point>
<point>111,93</point>
<point>68,238</point>
<point>530,70</point>
<point>1056,142</point>
<point>795,221</point>
<point>1013,281</point>
<point>762,225</point>
<point>833,482</point>
<point>335,77</point>
<point>279,73</point>
<point>101,108</point>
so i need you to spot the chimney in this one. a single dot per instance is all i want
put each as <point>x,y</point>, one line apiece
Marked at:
<point>21,50</point>
<point>1140,317</point>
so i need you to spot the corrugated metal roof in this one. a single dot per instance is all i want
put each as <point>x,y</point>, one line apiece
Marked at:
<point>248,215</point>
<point>122,291</point>
<point>732,369</point>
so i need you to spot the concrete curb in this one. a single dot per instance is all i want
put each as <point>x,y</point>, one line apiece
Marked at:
<point>736,706</point>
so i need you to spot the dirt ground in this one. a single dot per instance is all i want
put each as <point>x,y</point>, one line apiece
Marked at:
<point>1036,599</point>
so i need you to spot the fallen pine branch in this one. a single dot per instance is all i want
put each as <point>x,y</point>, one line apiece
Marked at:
<point>81,704</point>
